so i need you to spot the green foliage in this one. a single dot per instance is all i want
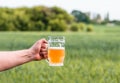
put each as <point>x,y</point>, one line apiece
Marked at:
<point>117,22</point>
<point>80,16</point>
<point>57,25</point>
<point>39,18</point>
<point>78,27</point>
<point>82,26</point>
<point>89,28</point>
<point>74,27</point>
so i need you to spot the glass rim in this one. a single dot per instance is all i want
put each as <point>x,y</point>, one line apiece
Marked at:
<point>56,36</point>
<point>52,39</point>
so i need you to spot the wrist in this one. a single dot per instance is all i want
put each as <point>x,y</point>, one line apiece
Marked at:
<point>29,55</point>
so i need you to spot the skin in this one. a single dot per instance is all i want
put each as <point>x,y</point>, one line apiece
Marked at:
<point>11,59</point>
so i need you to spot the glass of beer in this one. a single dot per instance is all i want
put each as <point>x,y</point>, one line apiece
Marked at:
<point>56,50</point>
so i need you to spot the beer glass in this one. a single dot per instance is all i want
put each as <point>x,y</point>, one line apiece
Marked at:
<point>56,50</point>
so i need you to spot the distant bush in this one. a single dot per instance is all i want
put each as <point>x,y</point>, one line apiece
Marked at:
<point>74,27</point>
<point>89,28</point>
<point>38,18</point>
<point>57,25</point>
<point>78,27</point>
<point>82,26</point>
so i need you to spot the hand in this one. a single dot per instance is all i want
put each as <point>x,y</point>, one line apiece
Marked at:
<point>39,50</point>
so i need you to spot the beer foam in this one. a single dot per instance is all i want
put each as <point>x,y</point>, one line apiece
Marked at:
<point>56,48</point>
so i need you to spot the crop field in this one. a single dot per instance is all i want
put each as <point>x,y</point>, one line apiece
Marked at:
<point>91,57</point>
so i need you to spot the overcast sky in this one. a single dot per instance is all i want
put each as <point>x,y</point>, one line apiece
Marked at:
<point>93,6</point>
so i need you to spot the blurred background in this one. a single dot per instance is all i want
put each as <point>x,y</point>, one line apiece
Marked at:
<point>92,34</point>
<point>45,15</point>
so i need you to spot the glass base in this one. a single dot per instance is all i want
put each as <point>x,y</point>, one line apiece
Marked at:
<point>57,64</point>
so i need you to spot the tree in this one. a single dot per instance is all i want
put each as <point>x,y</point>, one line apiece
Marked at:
<point>106,19</point>
<point>80,16</point>
<point>57,25</point>
<point>38,18</point>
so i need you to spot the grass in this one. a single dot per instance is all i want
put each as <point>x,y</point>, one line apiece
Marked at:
<point>90,57</point>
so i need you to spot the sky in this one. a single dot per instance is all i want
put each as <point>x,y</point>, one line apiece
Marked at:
<point>94,6</point>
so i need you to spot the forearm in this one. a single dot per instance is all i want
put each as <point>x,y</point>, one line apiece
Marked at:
<point>9,59</point>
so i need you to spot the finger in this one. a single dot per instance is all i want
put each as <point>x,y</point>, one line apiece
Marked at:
<point>43,55</point>
<point>44,41</point>
<point>44,46</point>
<point>41,42</point>
<point>43,50</point>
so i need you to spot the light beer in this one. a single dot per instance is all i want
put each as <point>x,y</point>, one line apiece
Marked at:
<point>56,50</point>
<point>56,55</point>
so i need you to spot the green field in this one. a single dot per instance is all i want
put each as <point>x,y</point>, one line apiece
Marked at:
<point>90,57</point>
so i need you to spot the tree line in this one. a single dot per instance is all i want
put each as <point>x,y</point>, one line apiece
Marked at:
<point>42,18</point>
<point>39,18</point>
